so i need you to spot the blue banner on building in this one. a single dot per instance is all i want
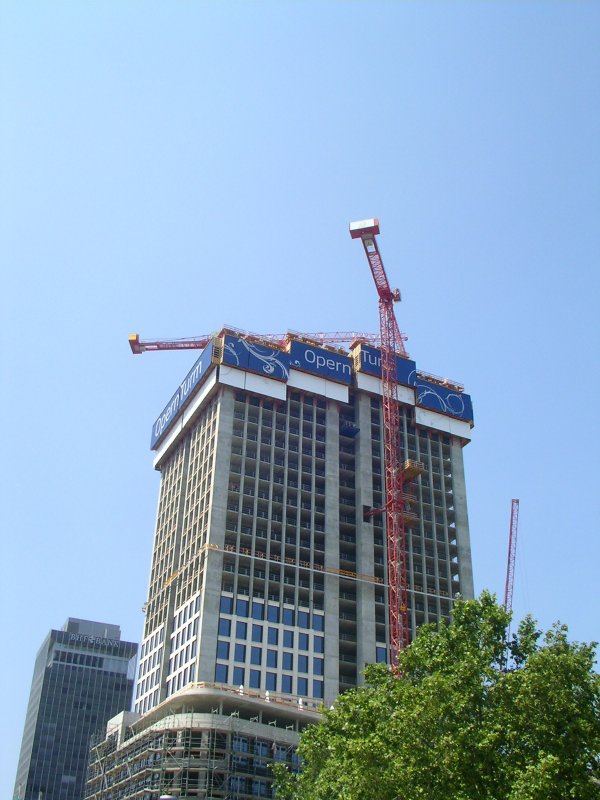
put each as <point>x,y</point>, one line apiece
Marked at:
<point>447,401</point>
<point>254,357</point>
<point>370,362</point>
<point>182,396</point>
<point>327,364</point>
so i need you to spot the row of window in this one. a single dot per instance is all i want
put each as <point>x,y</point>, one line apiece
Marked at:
<point>195,515</point>
<point>185,634</point>
<point>273,659</point>
<point>147,683</point>
<point>183,656</point>
<point>257,635</point>
<point>268,405</point>
<point>181,679</point>
<point>82,659</point>
<point>149,663</point>
<point>256,610</point>
<point>147,647</point>
<point>147,703</point>
<point>186,613</point>
<point>272,682</point>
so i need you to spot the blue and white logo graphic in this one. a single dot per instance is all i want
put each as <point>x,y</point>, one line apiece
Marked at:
<point>438,398</point>
<point>256,358</point>
<point>326,363</point>
<point>182,396</point>
<point>370,362</point>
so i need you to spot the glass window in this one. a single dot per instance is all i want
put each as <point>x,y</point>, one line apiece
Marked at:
<point>318,689</point>
<point>241,607</point>
<point>259,788</point>
<point>221,673</point>
<point>302,663</point>
<point>303,686</point>
<point>237,783</point>
<point>261,748</point>
<point>271,658</point>
<point>257,633</point>
<point>226,604</point>
<point>223,650</point>
<point>280,752</point>
<point>288,661</point>
<point>224,626</point>
<point>381,655</point>
<point>273,613</point>
<point>271,681</point>
<point>288,638</point>
<point>272,636</point>
<point>240,653</point>
<point>238,676</point>
<point>255,679</point>
<point>303,619</point>
<point>256,655</point>
<point>318,666</point>
<point>303,641</point>
<point>241,630</point>
<point>286,683</point>
<point>318,622</point>
<point>288,616</point>
<point>258,610</point>
<point>319,644</point>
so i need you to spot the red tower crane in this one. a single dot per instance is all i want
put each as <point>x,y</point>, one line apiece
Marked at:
<point>512,556</point>
<point>395,475</point>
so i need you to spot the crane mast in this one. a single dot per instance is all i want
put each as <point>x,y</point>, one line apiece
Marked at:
<point>391,345</point>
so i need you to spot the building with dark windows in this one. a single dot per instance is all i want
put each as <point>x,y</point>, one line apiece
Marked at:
<point>267,592</point>
<point>83,676</point>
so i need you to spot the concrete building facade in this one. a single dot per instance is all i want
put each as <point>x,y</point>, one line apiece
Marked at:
<point>266,573</point>
<point>267,584</point>
<point>83,675</point>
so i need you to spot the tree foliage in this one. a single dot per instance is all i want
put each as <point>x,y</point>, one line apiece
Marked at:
<point>468,719</point>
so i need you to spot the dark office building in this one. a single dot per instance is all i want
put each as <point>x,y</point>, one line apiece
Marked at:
<point>83,676</point>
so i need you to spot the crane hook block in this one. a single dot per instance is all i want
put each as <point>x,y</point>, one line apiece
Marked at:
<point>364,227</point>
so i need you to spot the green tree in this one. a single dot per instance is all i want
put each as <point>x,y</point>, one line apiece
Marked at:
<point>465,721</point>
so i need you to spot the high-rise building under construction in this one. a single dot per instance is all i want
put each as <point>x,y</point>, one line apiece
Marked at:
<point>269,564</point>
<point>267,592</point>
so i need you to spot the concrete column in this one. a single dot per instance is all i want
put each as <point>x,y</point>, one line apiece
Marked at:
<point>213,564</point>
<point>463,539</point>
<point>332,553</point>
<point>365,564</point>
<point>171,590</point>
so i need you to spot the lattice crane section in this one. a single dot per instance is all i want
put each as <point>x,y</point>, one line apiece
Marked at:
<point>392,345</point>
<point>280,339</point>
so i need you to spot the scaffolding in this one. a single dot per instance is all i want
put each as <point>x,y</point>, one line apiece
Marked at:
<point>207,755</point>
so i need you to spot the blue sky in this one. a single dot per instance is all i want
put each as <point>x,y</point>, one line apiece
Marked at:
<point>170,167</point>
